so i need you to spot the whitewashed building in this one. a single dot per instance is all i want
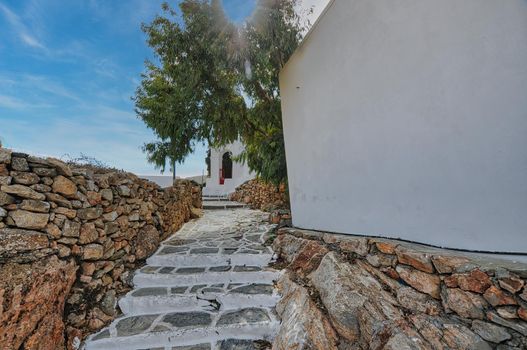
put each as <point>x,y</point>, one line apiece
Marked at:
<point>408,119</point>
<point>225,174</point>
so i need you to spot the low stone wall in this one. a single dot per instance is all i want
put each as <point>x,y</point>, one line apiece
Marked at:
<point>68,241</point>
<point>350,292</point>
<point>261,195</point>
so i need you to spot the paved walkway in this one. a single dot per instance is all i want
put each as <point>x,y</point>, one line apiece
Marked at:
<point>208,287</point>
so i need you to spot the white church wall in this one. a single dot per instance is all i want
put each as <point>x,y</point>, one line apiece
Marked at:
<point>240,171</point>
<point>408,119</point>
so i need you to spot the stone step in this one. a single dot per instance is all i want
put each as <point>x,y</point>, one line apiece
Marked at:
<point>198,298</point>
<point>154,276</point>
<point>179,329</point>
<point>190,260</point>
<point>222,205</point>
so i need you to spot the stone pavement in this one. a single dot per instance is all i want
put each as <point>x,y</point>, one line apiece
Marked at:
<point>207,287</point>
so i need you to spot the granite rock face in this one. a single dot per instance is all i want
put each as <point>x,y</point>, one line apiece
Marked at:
<point>33,298</point>
<point>105,221</point>
<point>385,294</point>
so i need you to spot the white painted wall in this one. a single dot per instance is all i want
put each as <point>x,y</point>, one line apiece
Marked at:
<point>240,171</point>
<point>408,119</point>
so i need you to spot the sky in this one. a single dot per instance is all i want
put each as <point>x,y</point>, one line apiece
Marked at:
<point>68,70</point>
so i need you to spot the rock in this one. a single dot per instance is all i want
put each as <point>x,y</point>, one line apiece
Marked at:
<point>123,191</point>
<point>89,213</point>
<point>111,216</point>
<point>5,156</point>
<point>522,313</point>
<point>22,191</point>
<point>465,304</point>
<point>64,186</point>
<point>304,326</point>
<point>25,178</point>
<point>379,259</point>
<point>417,302</point>
<point>476,281</point>
<point>497,297</point>
<point>57,198</point>
<point>49,172</point>
<point>94,198</point>
<point>69,213</point>
<point>5,180</point>
<point>71,229</point>
<point>419,260</point>
<point>108,303</point>
<point>29,220</point>
<point>520,327</point>
<point>524,294</point>
<point>512,284</point>
<point>53,230</point>
<point>422,281</point>
<point>508,312</point>
<point>88,233</point>
<point>107,194</point>
<point>62,168</point>
<point>147,242</point>
<point>308,257</point>
<point>3,212</point>
<point>40,188</point>
<point>93,252</point>
<point>6,199</point>
<point>16,241</point>
<point>34,297</point>
<point>19,164</point>
<point>354,299</point>
<point>490,332</point>
<point>195,213</point>
<point>385,246</point>
<point>357,245</point>
<point>34,206</point>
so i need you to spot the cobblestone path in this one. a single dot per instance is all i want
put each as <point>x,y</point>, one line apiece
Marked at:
<point>208,287</point>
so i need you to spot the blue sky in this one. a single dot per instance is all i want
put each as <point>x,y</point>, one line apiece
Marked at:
<point>67,72</point>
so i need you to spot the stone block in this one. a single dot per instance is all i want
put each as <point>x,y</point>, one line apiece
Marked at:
<point>64,186</point>
<point>29,220</point>
<point>22,191</point>
<point>422,281</point>
<point>419,260</point>
<point>465,304</point>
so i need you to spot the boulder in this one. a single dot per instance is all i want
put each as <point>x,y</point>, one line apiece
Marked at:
<point>93,252</point>
<point>89,213</point>
<point>490,332</point>
<point>19,164</point>
<point>34,297</point>
<point>88,233</point>
<point>304,326</point>
<point>356,302</point>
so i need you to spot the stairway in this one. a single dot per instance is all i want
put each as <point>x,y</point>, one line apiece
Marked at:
<point>206,288</point>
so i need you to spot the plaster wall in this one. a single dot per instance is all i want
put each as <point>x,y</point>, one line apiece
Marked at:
<point>408,119</point>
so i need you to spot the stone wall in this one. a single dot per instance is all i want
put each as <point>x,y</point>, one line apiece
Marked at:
<point>69,238</point>
<point>261,195</point>
<point>350,292</point>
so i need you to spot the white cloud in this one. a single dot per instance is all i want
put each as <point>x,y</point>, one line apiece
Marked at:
<point>20,29</point>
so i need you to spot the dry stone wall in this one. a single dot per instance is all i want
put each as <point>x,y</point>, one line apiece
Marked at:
<point>261,195</point>
<point>348,292</point>
<point>69,238</point>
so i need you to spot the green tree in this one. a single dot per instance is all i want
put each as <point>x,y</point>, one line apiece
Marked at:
<point>216,82</point>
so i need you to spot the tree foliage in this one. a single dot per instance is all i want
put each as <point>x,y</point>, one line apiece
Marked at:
<point>215,82</point>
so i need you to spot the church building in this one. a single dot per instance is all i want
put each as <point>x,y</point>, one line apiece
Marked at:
<point>224,172</point>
